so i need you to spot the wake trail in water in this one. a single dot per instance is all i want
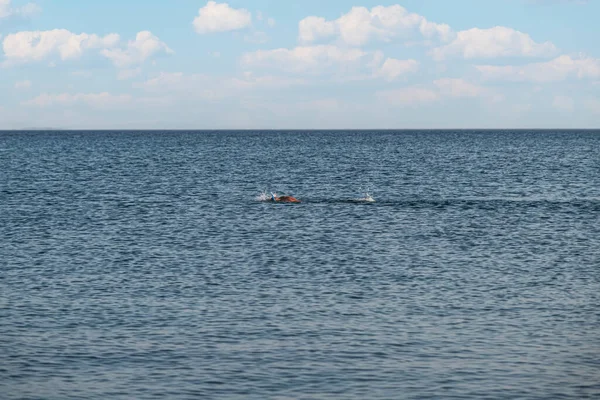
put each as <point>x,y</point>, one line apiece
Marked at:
<point>364,198</point>
<point>441,203</point>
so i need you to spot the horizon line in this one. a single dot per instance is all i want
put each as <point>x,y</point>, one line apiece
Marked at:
<point>285,129</point>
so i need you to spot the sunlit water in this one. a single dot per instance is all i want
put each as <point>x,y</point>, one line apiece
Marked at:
<point>139,265</point>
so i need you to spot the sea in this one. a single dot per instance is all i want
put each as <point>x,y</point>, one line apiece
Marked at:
<point>151,265</point>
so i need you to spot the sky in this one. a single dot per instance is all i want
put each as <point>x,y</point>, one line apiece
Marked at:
<point>311,64</point>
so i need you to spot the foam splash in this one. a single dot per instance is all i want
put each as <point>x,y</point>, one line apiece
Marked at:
<point>366,195</point>
<point>367,198</point>
<point>264,196</point>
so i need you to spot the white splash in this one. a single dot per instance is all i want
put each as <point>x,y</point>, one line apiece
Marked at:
<point>264,196</point>
<point>367,198</point>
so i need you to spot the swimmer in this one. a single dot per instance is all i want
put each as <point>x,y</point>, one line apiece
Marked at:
<point>283,199</point>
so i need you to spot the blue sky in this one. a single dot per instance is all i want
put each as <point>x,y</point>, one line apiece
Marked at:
<point>188,64</point>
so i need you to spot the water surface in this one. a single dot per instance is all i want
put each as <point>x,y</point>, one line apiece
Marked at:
<point>141,265</point>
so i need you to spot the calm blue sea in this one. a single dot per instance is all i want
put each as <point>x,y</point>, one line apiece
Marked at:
<point>141,265</point>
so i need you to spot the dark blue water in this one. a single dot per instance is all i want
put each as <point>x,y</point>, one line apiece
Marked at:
<point>139,265</point>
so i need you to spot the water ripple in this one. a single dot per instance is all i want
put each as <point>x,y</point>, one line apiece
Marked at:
<point>141,265</point>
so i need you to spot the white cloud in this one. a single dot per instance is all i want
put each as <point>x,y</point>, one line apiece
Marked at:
<point>563,103</point>
<point>28,46</point>
<point>308,59</point>
<point>314,28</point>
<point>126,74</point>
<point>137,51</point>
<point>7,10</point>
<point>215,17</point>
<point>558,69</point>
<point>491,43</point>
<point>360,25</point>
<point>95,100</point>
<point>23,84</point>
<point>393,68</point>
<point>410,96</point>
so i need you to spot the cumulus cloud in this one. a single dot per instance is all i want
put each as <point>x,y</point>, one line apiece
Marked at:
<point>360,25</point>
<point>563,103</point>
<point>314,28</point>
<point>137,51</point>
<point>23,84</point>
<point>7,10</point>
<point>392,68</point>
<point>491,43</point>
<point>215,17</point>
<point>29,46</point>
<point>411,96</point>
<point>559,69</point>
